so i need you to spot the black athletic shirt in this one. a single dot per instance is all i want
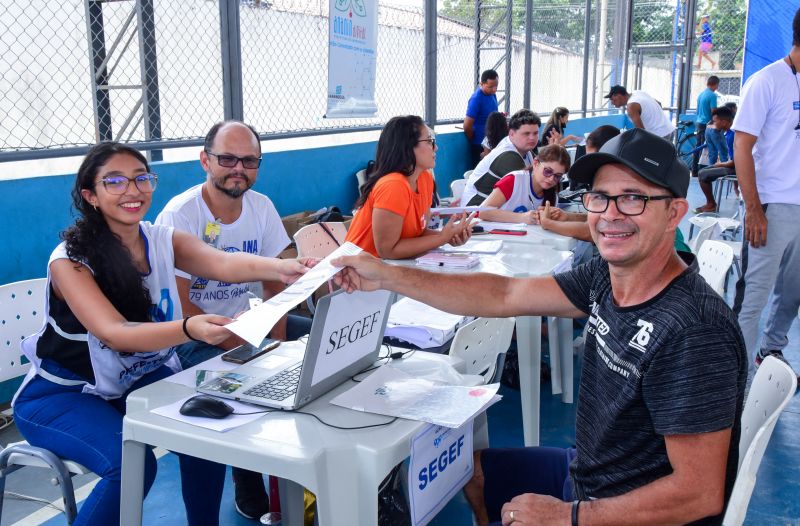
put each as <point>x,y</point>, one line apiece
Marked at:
<point>673,365</point>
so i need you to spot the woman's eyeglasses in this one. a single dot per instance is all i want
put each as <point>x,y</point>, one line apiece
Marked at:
<point>118,184</point>
<point>627,204</point>
<point>229,161</point>
<point>549,172</point>
<point>432,140</point>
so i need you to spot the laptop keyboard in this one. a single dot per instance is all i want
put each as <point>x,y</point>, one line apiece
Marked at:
<point>279,387</point>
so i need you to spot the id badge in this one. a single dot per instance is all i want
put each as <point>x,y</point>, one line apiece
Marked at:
<point>211,234</point>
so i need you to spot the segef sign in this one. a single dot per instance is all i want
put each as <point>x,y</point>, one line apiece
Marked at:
<point>441,463</point>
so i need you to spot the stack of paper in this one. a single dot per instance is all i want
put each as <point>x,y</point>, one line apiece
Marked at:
<point>420,324</point>
<point>448,260</point>
<point>389,391</point>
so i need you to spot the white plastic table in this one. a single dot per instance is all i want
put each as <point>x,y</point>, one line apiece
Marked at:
<point>343,468</point>
<point>525,260</point>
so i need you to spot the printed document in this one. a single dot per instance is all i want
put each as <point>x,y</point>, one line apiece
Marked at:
<point>254,325</point>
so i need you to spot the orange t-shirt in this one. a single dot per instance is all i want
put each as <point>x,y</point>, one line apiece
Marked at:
<point>393,193</point>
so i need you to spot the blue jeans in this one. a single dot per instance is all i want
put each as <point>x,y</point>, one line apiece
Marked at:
<point>87,429</point>
<point>192,353</point>
<point>717,146</point>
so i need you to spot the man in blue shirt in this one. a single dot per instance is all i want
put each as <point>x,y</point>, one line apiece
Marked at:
<point>717,139</point>
<point>480,105</point>
<point>706,101</point>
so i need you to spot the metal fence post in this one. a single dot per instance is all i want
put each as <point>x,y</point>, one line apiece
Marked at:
<point>430,62</point>
<point>686,70</point>
<point>99,70</point>
<point>587,27</point>
<point>526,97</point>
<point>151,108</point>
<point>231,47</point>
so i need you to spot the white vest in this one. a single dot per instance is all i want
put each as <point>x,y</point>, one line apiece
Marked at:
<point>115,372</point>
<point>523,199</point>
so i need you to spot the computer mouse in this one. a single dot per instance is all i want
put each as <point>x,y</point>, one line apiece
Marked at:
<point>206,407</point>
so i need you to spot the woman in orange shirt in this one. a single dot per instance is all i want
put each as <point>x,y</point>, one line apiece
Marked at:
<point>394,207</point>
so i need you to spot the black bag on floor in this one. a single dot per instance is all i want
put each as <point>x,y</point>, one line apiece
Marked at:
<point>392,503</point>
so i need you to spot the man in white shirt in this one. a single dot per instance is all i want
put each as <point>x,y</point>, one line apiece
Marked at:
<point>514,152</point>
<point>643,110</point>
<point>226,214</point>
<point>766,150</point>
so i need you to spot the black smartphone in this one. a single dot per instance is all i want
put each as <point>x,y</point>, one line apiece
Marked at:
<point>245,353</point>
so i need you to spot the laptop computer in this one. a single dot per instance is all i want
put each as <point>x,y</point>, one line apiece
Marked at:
<point>346,337</point>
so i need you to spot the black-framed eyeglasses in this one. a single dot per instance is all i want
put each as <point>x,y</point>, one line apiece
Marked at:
<point>118,184</point>
<point>627,204</point>
<point>432,140</point>
<point>229,161</point>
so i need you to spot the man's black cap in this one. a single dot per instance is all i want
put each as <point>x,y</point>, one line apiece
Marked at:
<point>616,90</point>
<point>650,156</point>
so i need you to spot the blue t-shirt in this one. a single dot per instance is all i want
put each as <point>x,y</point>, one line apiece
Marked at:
<point>706,34</point>
<point>706,101</point>
<point>479,107</point>
<point>729,136</point>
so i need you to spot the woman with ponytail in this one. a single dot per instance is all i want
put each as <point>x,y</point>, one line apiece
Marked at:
<point>113,318</point>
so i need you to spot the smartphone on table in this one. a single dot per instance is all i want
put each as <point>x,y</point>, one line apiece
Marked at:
<point>504,232</point>
<point>245,353</point>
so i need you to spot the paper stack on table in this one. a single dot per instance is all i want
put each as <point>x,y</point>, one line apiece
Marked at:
<point>457,260</point>
<point>389,391</point>
<point>420,324</point>
<point>475,246</point>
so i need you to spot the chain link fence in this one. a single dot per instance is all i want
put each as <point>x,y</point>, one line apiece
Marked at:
<point>80,71</point>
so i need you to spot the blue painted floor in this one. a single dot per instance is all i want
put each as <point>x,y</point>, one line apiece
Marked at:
<point>776,499</point>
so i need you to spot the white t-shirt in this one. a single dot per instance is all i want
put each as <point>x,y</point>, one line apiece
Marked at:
<point>483,167</point>
<point>769,110</point>
<point>258,230</point>
<point>653,116</point>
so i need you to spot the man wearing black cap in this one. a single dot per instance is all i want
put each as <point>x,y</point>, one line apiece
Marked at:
<point>643,110</point>
<point>664,370</point>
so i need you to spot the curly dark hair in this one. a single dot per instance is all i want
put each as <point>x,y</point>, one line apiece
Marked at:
<point>89,240</point>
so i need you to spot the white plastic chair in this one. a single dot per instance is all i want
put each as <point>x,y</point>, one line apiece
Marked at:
<point>457,188</point>
<point>21,314</point>
<point>317,242</point>
<point>774,385</point>
<point>715,259</point>
<point>702,236</point>
<point>361,178</point>
<point>482,344</point>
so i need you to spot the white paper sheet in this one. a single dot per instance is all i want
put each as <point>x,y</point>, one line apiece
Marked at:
<point>216,424</point>
<point>389,391</point>
<point>474,246</point>
<point>452,210</point>
<point>254,325</point>
<point>492,225</point>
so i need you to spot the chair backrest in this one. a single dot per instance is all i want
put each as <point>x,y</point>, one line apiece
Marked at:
<point>313,241</point>
<point>457,188</point>
<point>480,342</point>
<point>467,174</point>
<point>715,259</point>
<point>773,386</point>
<point>361,177</point>
<point>704,235</point>
<point>21,314</point>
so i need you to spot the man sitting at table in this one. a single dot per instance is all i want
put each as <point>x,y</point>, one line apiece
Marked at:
<point>664,371</point>
<point>514,152</point>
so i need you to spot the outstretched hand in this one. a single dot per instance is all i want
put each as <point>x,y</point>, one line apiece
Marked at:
<point>361,272</point>
<point>209,328</point>
<point>290,270</point>
<point>458,229</point>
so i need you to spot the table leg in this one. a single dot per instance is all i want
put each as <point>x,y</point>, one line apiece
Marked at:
<point>292,502</point>
<point>554,343</point>
<point>567,359</point>
<point>348,492</point>
<point>529,353</point>
<point>132,484</point>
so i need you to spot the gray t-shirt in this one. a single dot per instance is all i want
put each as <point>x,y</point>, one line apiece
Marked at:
<point>673,365</point>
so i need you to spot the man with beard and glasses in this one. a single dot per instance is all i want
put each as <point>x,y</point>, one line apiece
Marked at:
<point>226,214</point>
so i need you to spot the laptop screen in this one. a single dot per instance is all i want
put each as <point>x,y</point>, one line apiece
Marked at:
<point>353,329</point>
